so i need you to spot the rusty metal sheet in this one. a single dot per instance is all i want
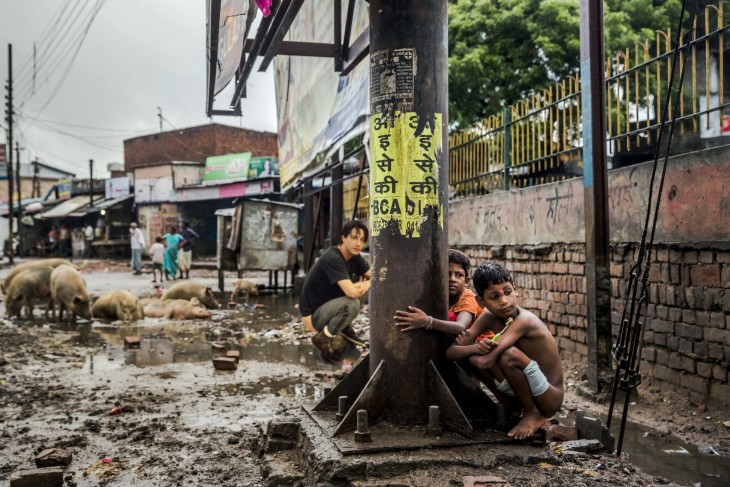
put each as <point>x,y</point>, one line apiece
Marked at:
<point>268,235</point>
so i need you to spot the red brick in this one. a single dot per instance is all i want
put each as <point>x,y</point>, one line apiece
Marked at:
<point>196,144</point>
<point>705,275</point>
<point>132,342</point>
<point>690,257</point>
<point>707,256</point>
<point>37,477</point>
<point>704,369</point>
<point>576,269</point>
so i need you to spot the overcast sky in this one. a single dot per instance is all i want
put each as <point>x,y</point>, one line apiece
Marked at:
<point>137,55</point>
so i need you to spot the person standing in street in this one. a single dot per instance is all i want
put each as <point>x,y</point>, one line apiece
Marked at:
<point>65,248</point>
<point>136,242</point>
<point>88,239</point>
<point>186,255</point>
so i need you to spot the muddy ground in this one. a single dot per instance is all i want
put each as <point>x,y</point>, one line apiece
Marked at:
<point>162,415</point>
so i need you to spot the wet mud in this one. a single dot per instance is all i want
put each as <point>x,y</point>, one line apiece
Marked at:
<point>161,414</point>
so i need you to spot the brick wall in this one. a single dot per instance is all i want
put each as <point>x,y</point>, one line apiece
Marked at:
<point>196,144</point>
<point>539,234</point>
<point>687,334</point>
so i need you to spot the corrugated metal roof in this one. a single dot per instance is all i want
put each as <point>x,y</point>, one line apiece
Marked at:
<point>65,208</point>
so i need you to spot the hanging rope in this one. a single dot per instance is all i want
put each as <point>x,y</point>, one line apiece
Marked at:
<point>627,351</point>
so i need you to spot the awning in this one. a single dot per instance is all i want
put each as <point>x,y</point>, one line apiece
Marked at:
<point>100,205</point>
<point>65,208</point>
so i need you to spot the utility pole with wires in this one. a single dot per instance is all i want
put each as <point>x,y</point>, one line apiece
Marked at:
<point>9,150</point>
<point>20,190</point>
<point>162,143</point>
<point>36,192</point>
<point>91,182</point>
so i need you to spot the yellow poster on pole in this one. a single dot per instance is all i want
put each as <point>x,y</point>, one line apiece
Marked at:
<point>404,171</point>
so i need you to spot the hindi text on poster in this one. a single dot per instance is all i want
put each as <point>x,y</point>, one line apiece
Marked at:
<point>404,179</point>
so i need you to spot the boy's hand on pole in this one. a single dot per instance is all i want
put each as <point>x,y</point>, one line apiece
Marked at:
<point>414,319</point>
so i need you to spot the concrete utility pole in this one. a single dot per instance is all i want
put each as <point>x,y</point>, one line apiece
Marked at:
<point>36,180</point>
<point>9,151</point>
<point>595,184</point>
<point>91,182</point>
<point>408,195</point>
<point>20,193</point>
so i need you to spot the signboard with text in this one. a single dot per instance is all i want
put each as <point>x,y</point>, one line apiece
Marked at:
<point>230,167</point>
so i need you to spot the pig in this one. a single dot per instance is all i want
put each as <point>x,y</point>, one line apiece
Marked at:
<point>27,286</point>
<point>246,286</point>
<point>118,305</point>
<point>189,290</point>
<point>68,291</point>
<point>176,309</point>
<point>52,263</point>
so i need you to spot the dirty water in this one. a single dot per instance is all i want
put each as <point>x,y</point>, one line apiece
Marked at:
<point>670,458</point>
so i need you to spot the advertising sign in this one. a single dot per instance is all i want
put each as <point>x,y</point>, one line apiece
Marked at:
<point>236,17</point>
<point>116,187</point>
<point>64,189</point>
<point>230,167</point>
<point>263,167</point>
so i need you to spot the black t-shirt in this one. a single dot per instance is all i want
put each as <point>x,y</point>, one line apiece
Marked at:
<point>321,286</point>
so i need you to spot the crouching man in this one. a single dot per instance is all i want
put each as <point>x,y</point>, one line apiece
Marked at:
<point>334,291</point>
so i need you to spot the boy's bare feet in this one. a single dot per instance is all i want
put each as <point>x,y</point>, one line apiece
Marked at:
<point>528,426</point>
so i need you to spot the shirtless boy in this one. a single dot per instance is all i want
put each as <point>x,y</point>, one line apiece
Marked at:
<point>521,365</point>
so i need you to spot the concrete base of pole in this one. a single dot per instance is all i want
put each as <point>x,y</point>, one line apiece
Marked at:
<point>318,459</point>
<point>467,415</point>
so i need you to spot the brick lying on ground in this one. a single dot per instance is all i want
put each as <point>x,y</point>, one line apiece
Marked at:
<point>39,477</point>
<point>53,457</point>
<point>132,342</point>
<point>234,354</point>
<point>224,363</point>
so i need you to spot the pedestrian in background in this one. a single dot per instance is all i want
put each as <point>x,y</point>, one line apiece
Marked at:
<point>172,243</point>
<point>88,239</point>
<point>186,256</point>
<point>64,242</point>
<point>157,253</point>
<point>136,242</point>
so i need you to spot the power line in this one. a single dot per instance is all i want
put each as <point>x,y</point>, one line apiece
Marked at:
<point>46,31</point>
<point>101,129</point>
<point>100,4</point>
<point>59,37</point>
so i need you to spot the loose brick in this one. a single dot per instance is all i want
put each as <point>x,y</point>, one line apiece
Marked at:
<point>224,363</point>
<point>38,477</point>
<point>234,354</point>
<point>132,342</point>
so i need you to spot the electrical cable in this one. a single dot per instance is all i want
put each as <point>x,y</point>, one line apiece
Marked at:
<point>627,352</point>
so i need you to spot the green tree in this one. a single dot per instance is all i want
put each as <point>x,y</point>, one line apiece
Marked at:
<point>501,51</point>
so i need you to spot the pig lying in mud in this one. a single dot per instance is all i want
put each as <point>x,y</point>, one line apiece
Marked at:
<point>175,309</point>
<point>68,291</point>
<point>118,305</point>
<point>188,290</point>
<point>52,263</point>
<point>244,286</point>
<point>25,288</point>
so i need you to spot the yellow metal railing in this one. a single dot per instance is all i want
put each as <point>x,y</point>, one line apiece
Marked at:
<point>538,139</point>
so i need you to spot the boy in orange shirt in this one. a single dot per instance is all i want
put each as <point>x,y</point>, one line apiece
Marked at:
<point>463,305</point>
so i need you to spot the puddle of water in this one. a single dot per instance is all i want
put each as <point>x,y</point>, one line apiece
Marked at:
<point>670,458</point>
